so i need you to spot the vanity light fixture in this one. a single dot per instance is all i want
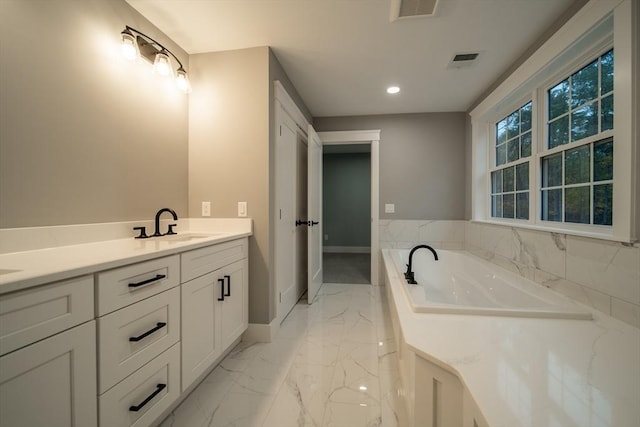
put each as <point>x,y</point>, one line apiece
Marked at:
<point>137,44</point>
<point>393,90</point>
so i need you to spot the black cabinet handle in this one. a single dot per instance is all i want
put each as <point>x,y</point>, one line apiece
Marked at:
<point>312,223</point>
<point>301,222</point>
<point>159,326</point>
<point>159,388</point>
<point>228,294</point>
<point>221,281</point>
<point>146,282</point>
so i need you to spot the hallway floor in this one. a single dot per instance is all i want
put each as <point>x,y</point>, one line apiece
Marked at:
<point>331,364</point>
<point>346,268</point>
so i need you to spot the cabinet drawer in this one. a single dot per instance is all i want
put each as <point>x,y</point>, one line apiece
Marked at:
<point>125,285</point>
<point>201,261</point>
<point>142,397</point>
<point>130,337</point>
<point>34,314</point>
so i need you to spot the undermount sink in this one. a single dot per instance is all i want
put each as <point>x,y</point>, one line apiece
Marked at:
<point>186,237</point>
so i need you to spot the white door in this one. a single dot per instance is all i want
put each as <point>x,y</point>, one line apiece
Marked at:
<point>314,214</point>
<point>286,139</point>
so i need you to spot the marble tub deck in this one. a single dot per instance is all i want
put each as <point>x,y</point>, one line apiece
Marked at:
<point>331,364</point>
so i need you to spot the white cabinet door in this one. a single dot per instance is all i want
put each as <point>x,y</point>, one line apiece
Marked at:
<point>201,340</point>
<point>235,306</point>
<point>52,382</point>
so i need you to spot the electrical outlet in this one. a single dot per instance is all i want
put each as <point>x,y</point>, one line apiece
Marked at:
<point>389,208</point>
<point>206,208</point>
<point>242,209</point>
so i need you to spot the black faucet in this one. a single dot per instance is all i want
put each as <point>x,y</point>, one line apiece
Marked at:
<point>409,274</point>
<point>160,212</point>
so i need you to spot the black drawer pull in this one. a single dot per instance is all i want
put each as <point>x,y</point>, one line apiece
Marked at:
<point>159,388</point>
<point>146,282</point>
<point>159,326</point>
<point>221,281</point>
<point>228,294</point>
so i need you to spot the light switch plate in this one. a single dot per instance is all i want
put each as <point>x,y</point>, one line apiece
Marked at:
<point>389,208</point>
<point>242,209</point>
<point>206,208</point>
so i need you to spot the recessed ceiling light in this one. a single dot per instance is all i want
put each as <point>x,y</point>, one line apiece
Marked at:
<point>393,89</point>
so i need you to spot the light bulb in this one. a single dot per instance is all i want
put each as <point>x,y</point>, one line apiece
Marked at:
<point>182,81</point>
<point>129,48</point>
<point>393,89</point>
<point>161,64</point>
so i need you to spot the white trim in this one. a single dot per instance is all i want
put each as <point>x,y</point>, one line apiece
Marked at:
<point>347,249</point>
<point>350,137</point>
<point>365,137</point>
<point>289,105</point>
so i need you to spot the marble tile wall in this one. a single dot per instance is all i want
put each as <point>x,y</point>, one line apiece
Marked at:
<point>602,274</point>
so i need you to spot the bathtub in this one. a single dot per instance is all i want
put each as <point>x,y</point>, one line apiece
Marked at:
<point>461,283</point>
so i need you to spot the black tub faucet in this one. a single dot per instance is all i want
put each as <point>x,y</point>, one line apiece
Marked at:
<point>409,274</point>
<point>160,212</point>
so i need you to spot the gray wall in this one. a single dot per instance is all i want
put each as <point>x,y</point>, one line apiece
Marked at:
<point>422,162</point>
<point>346,191</point>
<point>85,136</point>
<point>229,152</point>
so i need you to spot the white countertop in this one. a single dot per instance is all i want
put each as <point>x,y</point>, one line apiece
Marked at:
<point>25,269</point>
<point>533,372</point>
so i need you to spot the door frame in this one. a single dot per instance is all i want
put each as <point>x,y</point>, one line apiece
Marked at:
<point>371,137</point>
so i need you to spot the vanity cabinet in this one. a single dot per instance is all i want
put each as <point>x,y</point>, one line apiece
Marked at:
<point>117,348</point>
<point>215,305</point>
<point>48,366</point>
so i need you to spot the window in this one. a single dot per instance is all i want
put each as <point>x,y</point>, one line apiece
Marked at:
<point>577,181</point>
<point>510,177</point>
<point>578,173</point>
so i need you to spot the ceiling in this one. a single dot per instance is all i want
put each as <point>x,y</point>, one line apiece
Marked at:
<point>341,55</point>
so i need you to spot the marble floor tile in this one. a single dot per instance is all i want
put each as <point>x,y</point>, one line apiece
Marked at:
<point>332,363</point>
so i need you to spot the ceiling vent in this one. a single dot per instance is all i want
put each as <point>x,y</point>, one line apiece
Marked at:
<point>463,60</point>
<point>401,9</point>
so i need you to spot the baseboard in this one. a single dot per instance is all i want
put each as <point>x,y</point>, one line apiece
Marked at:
<point>260,332</point>
<point>347,249</point>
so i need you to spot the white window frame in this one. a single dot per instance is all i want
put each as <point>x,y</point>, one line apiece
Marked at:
<point>595,28</point>
<point>491,165</point>
<point>599,49</point>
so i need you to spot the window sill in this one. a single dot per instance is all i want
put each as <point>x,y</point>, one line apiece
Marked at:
<point>557,230</point>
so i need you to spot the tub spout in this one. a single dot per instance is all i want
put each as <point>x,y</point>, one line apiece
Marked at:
<point>409,275</point>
